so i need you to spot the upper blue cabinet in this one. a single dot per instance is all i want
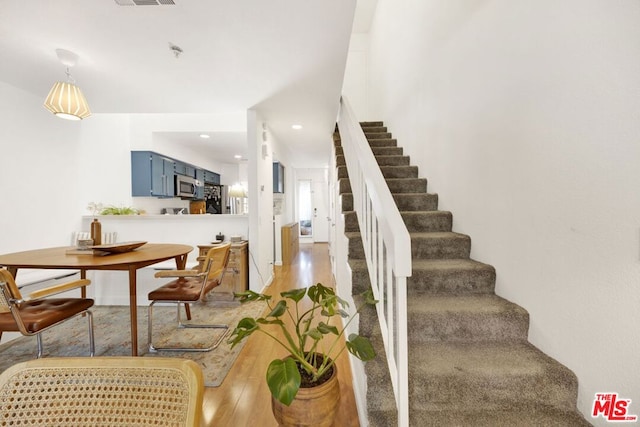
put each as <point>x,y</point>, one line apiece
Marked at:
<point>152,174</point>
<point>211,177</point>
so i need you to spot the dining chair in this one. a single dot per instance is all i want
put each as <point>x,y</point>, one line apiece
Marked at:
<point>113,391</point>
<point>107,237</point>
<point>35,313</point>
<point>190,286</point>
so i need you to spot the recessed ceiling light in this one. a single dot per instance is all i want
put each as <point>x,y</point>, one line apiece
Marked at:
<point>296,127</point>
<point>238,156</point>
<point>205,136</point>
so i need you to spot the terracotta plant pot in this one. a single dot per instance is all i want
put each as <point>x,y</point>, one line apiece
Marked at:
<point>314,406</point>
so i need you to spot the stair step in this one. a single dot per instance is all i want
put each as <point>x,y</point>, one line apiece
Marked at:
<point>392,160</point>
<point>538,416</point>
<point>416,201</point>
<point>470,318</point>
<point>425,221</point>
<point>346,202</point>
<point>407,185</point>
<point>456,276</point>
<point>351,221</point>
<point>395,185</point>
<point>399,171</point>
<point>374,124</point>
<point>381,160</point>
<point>459,276</point>
<point>438,245</point>
<point>439,318</point>
<point>405,201</point>
<point>342,172</point>
<point>487,376</point>
<point>374,129</point>
<point>387,151</point>
<point>383,142</point>
<point>376,135</point>
<point>360,280</point>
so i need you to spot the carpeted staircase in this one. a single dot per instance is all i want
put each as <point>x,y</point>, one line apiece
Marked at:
<point>470,363</point>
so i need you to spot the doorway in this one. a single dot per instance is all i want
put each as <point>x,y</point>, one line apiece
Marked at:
<point>312,205</point>
<point>305,208</point>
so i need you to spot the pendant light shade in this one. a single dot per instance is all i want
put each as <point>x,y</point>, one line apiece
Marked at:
<point>66,101</point>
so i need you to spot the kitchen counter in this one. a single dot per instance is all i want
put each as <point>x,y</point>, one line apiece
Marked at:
<point>164,216</point>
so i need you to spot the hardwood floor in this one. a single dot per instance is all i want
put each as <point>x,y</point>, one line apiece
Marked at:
<point>244,399</point>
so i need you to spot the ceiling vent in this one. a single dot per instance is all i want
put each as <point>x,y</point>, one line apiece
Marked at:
<point>143,2</point>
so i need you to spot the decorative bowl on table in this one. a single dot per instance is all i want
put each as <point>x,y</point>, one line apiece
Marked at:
<point>117,248</point>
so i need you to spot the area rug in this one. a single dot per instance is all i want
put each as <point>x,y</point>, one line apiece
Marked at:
<point>113,336</point>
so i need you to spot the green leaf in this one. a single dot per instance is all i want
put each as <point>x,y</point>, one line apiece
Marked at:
<point>279,309</point>
<point>319,292</point>
<point>360,347</point>
<point>264,321</point>
<point>247,296</point>
<point>284,380</point>
<point>294,294</point>
<point>327,329</point>
<point>314,333</point>
<point>245,327</point>
<point>368,297</point>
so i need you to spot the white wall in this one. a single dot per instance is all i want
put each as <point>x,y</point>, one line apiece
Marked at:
<point>355,85</point>
<point>260,192</point>
<point>524,116</point>
<point>39,173</point>
<point>286,200</point>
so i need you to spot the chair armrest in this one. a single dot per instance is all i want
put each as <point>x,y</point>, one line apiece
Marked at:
<point>57,289</point>
<point>177,273</point>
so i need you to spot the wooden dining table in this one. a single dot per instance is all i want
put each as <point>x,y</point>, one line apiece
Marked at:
<point>58,258</point>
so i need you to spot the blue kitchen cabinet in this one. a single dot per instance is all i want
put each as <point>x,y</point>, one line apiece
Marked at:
<point>199,184</point>
<point>186,169</point>
<point>152,175</point>
<point>211,177</point>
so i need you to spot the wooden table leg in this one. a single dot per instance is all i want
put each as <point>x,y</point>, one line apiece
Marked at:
<point>83,290</point>
<point>133,310</point>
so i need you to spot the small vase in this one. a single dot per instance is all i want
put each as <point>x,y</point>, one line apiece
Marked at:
<point>313,407</point>
<point>96,232</point>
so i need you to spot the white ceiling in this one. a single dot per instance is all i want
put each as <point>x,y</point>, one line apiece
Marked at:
<point>285,58</point>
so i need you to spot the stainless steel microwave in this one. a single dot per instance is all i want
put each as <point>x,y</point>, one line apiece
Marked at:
<point>186,186</point>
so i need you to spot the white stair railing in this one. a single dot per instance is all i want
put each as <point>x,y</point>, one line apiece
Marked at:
<point>387,247</point>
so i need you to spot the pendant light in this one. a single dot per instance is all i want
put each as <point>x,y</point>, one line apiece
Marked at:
<point>65,99</point>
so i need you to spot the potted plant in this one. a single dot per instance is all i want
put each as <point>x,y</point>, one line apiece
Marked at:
<point>304,384</point>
